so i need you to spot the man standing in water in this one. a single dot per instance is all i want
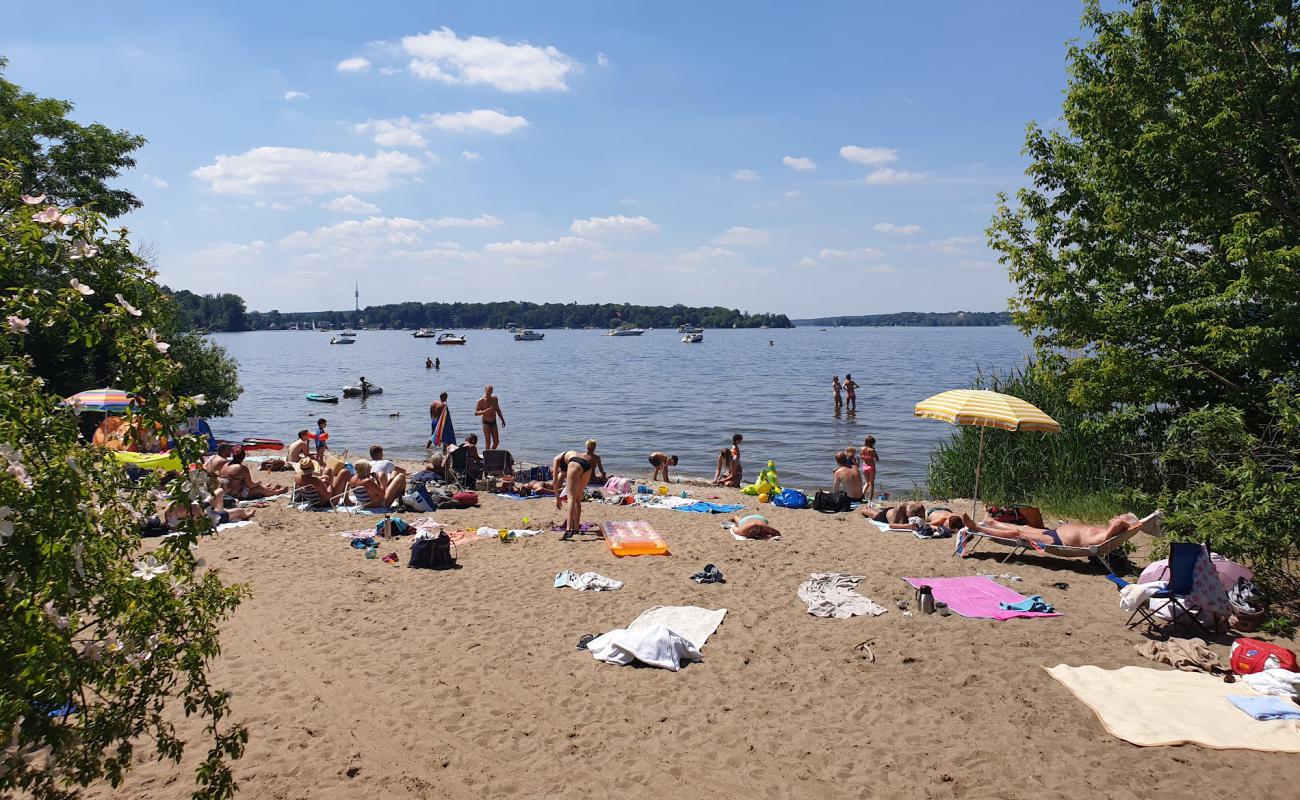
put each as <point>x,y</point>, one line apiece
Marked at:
<point>441,431</point>
<point>489,410</point>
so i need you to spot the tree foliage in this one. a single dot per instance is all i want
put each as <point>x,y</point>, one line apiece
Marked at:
<point>97,640</point>
<point>67,162</point>
<point>1157,262</point>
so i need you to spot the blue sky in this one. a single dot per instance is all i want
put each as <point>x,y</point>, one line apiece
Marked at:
<point>811,158</point>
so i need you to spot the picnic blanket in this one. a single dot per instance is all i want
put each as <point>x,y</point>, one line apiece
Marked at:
<point>833,594</point>
<point>662,636</point>
<point>1154,707</point>
<point>703,507</point>
<point>977,596</point>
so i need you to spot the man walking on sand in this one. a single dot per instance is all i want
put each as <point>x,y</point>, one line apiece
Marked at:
<point>489,410</point>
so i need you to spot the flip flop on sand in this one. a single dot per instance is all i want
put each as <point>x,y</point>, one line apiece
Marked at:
<point>585,640</point>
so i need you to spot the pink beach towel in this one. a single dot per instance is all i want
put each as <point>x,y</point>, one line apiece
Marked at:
<point>976,596</point>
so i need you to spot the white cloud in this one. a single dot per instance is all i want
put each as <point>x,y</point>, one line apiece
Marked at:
<point>442,56</point>
<point>231,251</point>
<point>966,263</point>
<point>953,245</point>
<point>350,204</point>
<point>868,155</point>
<point>701,255</point>
<point>806,262</point>
<point>745,175</point>
<point>292,95</point>
<point>470,155</point>
<point>397,132</point>
<point>740,235</point>
<point>617,225</point>
<point>889,176</point>
<point>377,233</point>
<point>794,193</point>
<point>296,170</point>
<point>481,120</point>
<point>799,164</point>
<point>355,64</point>
<point>859,254</point>
<point>564,244</point>
<point>156,182</point>
<point>602,60</point>
<point>889,227</point>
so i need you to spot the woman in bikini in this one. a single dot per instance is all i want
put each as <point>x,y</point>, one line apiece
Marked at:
<point>869,457</point>
<point>753,526</point>
<point>574,471</point>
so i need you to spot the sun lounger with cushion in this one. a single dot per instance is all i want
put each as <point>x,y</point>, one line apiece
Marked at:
<point>1149,525</point>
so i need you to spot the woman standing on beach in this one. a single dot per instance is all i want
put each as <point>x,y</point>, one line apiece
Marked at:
<point>575,470</point>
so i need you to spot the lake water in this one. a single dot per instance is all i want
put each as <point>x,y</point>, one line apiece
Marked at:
<point>632,394</point>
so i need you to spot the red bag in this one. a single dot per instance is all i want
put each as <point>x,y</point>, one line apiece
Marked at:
<point>466,498</point>
<point>1249,655</point>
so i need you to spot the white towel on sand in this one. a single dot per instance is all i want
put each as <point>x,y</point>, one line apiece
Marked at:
<point>1279,682</point>
<point>654,645</point>
<point>1137,594</point>
<point>586,582</point>
<point>831,594</point>
<point>693,623</point>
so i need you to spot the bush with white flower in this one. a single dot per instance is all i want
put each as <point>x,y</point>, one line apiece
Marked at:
<point>100,635</point>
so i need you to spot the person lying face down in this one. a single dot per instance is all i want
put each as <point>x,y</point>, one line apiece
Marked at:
<point>753,526</point>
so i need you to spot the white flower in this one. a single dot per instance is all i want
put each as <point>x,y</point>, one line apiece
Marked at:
<point>130,309</point>
<point>17,324</point>
<point>53,613</point>
<point>199,399</point>
<point>148,569</point>
<point>92,650</point>
<point>33,200</point>
<point>81,287</point>
<point>19,474</point>
<point>83,249</point>
<point>48,216</point>
<point>163,347</point>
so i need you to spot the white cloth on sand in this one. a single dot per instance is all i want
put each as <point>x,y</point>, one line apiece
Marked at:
<point>661,636</point>
<point>654,645</point>
<point>831,594</point>
<point>225,526</point>
<point>518,533</point>
<point>1137,594</point>
<point>586,582</point>
<point>1280,682</point>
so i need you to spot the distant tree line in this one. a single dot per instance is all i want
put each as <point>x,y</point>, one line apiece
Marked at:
<point>226,312</point>
<point>949,319</point>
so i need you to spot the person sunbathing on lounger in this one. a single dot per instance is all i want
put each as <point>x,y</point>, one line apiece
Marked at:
<point>238,481</point>
<point>1070,534</point>
<point>331,486</point>
<point>379,496</point>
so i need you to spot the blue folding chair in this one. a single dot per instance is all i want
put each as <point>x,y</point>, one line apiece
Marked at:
<point>1182,572</point>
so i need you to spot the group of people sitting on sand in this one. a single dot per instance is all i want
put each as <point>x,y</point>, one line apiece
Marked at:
<point>855,471</point>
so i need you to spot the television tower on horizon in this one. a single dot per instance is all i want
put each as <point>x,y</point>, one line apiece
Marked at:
<point>356,296</point>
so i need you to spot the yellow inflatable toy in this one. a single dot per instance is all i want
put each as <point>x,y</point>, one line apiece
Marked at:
<point>767,483</point>
<point>165,461</point>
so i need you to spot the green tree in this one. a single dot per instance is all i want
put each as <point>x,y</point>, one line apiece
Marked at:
<point>70,164</point>
<point>1157,261</point>
<point>99,636</point>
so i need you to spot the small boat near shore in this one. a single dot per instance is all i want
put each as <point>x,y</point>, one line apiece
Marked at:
<point>693,338</point>
<point>451,338</point>
<point>355,391</point>
<point>687,328</point>
<point>319,397</point>
<point>626,332</point>
<point>341,339</point>
<point>425,333</point>
<point>526,335</point>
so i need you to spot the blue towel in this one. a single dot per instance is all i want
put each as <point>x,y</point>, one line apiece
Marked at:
<point>1265,707</point>
<point>708,508</point>
<point>1035,603</point>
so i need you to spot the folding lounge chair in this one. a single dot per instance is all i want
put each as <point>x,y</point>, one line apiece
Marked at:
<point>1149,524</point>
<point>311,498</point>
<point>1182,573</point>
<point>458,468</point>
<point>361,500</point>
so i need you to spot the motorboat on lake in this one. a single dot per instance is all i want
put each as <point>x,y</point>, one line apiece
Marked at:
<point>626,332</point>
<point>525,335</point>
<point>451,338</point>
<point>355,391</point>
<point>688,328</point>
<point>693,338</point>
<point>425,333</point>
<point>341,339</point>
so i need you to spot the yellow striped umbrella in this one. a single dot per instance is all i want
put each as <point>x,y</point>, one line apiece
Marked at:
<point>986,409</point>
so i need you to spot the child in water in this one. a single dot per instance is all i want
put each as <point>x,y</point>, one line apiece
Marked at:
<point>869,459</point>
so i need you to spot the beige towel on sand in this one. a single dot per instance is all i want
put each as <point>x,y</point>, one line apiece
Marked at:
<point>1152,707</point>
<point>692,623</point>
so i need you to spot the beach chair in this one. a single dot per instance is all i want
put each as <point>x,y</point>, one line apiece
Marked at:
<point>307,495</point>
<point>1182,575</point>
<point>458,471</point>
<point>498,462</point>
<point>1101,552</point>
<point>361,500</point>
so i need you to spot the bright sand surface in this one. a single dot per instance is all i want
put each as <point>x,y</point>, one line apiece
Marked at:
<point>358,679</point>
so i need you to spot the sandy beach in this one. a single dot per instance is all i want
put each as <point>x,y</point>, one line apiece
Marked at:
<point>360,679</point>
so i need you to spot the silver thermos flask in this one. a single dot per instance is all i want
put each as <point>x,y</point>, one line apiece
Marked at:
<point>924,600</point>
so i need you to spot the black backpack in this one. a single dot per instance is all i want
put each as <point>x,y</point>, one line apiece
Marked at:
<point>432,552</point>
<point>831,502</point>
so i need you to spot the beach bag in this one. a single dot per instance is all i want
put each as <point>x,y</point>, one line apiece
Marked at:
<point>397,526</point>
<point>1251,655</point>
<point>617,485</point>
<point>466,499</point>
<point>432,552</point>
<point>831,502</point>
<point>791,498</point>
<point>419,499</point>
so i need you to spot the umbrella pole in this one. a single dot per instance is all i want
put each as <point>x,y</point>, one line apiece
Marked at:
<point>979,460</point>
